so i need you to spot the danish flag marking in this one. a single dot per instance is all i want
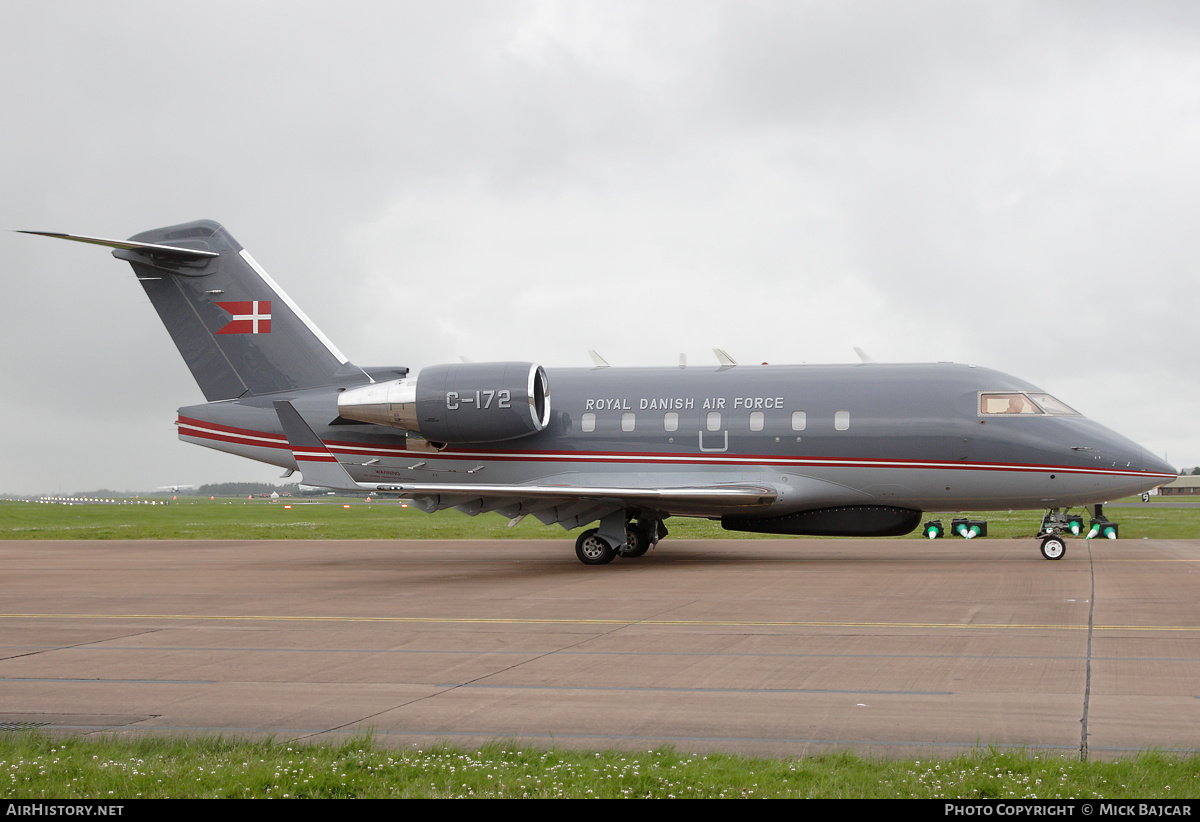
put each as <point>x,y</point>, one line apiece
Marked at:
<point>248,317</point>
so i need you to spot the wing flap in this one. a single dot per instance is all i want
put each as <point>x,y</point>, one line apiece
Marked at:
<point>681,500</point>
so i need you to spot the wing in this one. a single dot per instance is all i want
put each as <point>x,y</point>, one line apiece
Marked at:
<point>569,505</point>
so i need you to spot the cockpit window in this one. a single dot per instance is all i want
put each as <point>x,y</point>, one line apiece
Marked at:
<point>1010,402</point>
<point>1054,407</point>
<point>1016,402</point>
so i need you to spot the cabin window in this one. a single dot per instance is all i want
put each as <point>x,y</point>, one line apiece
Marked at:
<point>1009,402</point>
<point>799,420</point>
<point>756,420</point>
<point>714,421</point>
<point>841,420</point>
<point>671,421</point>
<point>587,423</point>
<point>627,421</point>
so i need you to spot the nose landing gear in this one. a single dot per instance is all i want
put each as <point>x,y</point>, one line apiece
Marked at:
<point>1057,524</point>
<point>1054,524</point>
<point>1054,547</point>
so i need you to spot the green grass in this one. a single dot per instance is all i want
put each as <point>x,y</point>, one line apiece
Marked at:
<point>38,766</point>
<point>190,518</point>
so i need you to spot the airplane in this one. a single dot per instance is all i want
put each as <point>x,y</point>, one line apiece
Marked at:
<point>856,450</point>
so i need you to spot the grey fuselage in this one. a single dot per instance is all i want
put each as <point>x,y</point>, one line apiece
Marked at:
<point>910,436</point>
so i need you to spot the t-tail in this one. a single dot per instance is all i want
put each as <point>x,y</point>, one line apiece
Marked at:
<point>239,333</point>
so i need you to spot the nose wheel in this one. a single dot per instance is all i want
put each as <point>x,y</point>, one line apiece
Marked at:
<point>1054,547</point>
<point>1055,523</point>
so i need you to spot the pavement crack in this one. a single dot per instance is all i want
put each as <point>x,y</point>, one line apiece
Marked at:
<point>78,644</point>
<point>612,629</point>
<point>449,688</point>
<point>1087,681</point>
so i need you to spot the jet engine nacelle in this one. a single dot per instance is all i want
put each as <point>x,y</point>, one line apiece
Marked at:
<point>461,402</point>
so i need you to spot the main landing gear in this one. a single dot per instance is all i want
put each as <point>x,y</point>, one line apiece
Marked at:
<point>594,549</point>
<point>1058,523</point>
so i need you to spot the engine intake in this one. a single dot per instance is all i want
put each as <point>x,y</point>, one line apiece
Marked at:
<point>460,402</point>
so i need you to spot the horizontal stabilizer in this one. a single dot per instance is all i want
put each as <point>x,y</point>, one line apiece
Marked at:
<point>167,251</point>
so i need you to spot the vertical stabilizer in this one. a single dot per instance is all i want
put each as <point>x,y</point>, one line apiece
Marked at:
<point>237,330</point>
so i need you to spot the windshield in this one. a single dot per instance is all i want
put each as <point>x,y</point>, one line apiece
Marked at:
<point>1016,402</point>
<point>1054,406</point>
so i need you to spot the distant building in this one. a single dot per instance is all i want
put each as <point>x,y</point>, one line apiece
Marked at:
<point>1183,485</point>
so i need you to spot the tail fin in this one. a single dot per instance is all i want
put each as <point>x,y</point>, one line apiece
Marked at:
<point>237,330</point>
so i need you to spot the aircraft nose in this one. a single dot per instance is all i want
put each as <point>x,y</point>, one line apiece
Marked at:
<point>1157,466</point>
<point>1128,454</point>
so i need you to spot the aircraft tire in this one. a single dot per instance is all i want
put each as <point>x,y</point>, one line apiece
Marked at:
<point>1054,548</point>
<point>592,549</point>
<point>637,541</point>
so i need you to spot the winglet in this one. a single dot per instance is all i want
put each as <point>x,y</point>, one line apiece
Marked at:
<point>316,463</point>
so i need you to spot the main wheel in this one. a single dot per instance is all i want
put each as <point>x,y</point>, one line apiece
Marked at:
<point>592,549</point>
<point>1054,548</point>
<point>637,540</point>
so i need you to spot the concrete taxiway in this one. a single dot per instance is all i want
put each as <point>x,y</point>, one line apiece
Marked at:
<point>756,646</point>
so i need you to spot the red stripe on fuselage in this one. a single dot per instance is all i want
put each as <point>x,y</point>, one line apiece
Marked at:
<point>216,426</point>
<point>261,439</point>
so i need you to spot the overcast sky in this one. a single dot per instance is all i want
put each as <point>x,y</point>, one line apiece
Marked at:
<point>1008,184</point>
